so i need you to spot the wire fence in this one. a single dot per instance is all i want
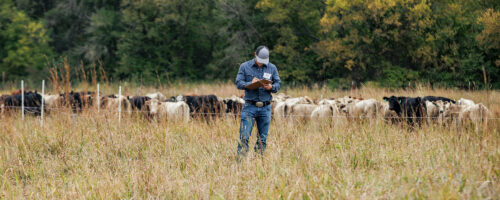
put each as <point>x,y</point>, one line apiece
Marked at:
<point>63,109</point>
<point>194,115</point>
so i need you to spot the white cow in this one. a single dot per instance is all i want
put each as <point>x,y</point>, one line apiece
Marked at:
<point>465,102</point>
<point>300,110</point>
<point>282,108</point>
<point>111,103</point>
<point>368,108</point>
<point>461,113</point>
<point>325,111</point>
<point>435,111</point>
<point>169,110</point>
<point>477,113</point>
<point>51,101</point>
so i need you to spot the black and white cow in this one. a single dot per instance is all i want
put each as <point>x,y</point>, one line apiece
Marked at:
<point>409,108</point>
<point>234,105</point>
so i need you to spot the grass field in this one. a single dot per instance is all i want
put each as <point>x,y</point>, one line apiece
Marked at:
<point>92,156</point>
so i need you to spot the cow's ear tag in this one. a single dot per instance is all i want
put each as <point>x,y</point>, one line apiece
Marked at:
<point>385,99</point>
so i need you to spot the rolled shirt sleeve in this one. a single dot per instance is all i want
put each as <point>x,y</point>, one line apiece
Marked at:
<point>240,78</point>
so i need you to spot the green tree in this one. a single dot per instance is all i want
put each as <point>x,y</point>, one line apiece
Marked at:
<point>297,27</point>
<point>24,43</point>
<point>102,35</point>
<point>167,39</point>
<point>489,41</point>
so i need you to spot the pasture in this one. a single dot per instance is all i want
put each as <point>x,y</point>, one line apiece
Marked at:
<point>91,155</point>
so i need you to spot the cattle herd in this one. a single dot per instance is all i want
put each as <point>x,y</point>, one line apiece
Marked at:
<point>393,109</point>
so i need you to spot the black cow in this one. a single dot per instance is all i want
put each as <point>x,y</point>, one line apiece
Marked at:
<point>407,107</point>
<point>138,102</point>
<point>74,100</point>
<point>433,99</point>
<point>204,105</point>
<point>233,107</point>
<point>32,102</point>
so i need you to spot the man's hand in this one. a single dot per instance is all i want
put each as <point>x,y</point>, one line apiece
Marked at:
<point>268,86</point>
<point>255,80</point>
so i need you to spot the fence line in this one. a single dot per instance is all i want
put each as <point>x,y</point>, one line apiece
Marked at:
<point>68,110</point>
<point>119,111</point>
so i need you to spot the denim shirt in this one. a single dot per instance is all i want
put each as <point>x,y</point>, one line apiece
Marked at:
<point>248,70</point>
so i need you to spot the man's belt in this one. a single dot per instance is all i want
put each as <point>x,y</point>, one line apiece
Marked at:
<point>258,103</point>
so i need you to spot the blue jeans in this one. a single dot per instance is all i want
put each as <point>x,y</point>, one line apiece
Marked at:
<point>249,114</point>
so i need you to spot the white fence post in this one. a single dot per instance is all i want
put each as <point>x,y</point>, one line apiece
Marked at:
<point>119,104</point>
<point>98,99</point>
<point>43,102</point>
<point>22,99</point>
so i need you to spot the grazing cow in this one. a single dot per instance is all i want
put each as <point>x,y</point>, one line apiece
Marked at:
<point>477,113</point>
<point>325,111</point>
<point>138,102</point>
<point>460,114</point>
<point>300,110</point>
<point>368,108</point>
<point>234,105</point>
<point>282,108</point>
<point>32,102</point>
<point>111,103</point>
<point>51,101</point>
<point>434,109</point>
<point>466,102</point>
<point>157,95</point>
<point>169,110</point>
<point>413,109</point>
<point>205,105</point>
<point>434,99</point>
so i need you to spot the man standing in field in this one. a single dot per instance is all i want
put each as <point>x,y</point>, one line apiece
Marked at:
<point>257,100</point>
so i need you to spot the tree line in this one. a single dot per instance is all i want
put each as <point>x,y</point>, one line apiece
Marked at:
<point>381,42</point>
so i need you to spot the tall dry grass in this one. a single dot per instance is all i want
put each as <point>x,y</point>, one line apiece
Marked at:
<point>92,156</point>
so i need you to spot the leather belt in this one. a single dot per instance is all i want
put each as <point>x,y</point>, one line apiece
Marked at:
<point>259,103</point>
